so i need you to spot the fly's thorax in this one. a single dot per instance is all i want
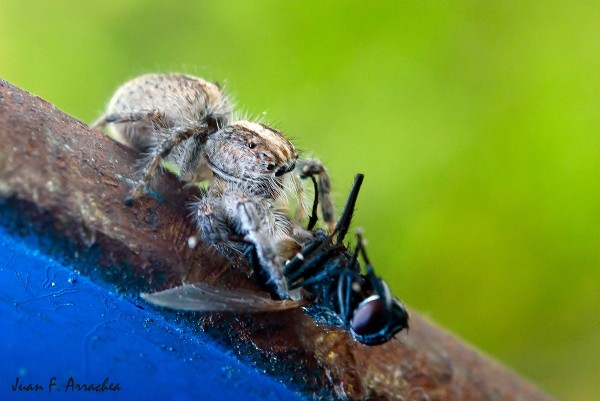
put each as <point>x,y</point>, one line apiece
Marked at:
<point>252,155</point>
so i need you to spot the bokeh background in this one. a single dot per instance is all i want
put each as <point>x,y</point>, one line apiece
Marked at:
<point>476,124</point>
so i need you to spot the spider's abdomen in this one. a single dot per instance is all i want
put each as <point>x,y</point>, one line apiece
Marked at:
<point>179,100</point>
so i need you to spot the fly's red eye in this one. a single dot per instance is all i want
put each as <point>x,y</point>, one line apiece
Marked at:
<point>370,316</point>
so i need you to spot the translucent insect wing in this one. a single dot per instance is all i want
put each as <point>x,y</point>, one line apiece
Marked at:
<point>202,297</point>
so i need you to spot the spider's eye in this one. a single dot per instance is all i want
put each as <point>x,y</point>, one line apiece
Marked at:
<point>370,317</point>
<point>252,145</point>
<point>270,167</point>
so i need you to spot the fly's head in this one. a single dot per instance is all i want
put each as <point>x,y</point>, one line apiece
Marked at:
<point>251,155</point>
<point>378,318</point>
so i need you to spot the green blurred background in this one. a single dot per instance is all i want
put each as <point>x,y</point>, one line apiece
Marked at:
<point>476,124</point>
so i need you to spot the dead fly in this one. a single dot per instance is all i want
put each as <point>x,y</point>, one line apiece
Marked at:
<point>332,275</point>
<point>328,273</point>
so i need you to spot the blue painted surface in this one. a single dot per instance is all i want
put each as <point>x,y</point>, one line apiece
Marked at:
<point>57,323</point>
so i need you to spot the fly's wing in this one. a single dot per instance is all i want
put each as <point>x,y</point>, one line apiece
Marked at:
<point>202,297</point>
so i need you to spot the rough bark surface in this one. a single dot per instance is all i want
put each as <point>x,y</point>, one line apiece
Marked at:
<point>58,176</point>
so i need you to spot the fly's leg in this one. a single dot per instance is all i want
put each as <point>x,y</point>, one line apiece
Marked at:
<point>378,285</point>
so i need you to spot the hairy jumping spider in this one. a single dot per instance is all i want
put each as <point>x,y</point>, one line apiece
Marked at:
<point>251,168</point>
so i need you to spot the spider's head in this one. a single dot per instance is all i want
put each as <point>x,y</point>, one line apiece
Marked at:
<point>251,154</point>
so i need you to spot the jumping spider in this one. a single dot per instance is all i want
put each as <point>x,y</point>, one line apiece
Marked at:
<point>251,168</point>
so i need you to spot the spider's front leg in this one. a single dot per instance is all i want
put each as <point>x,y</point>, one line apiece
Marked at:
<point>269,231</point>
<point>213,229</point>
<point>316,171</point>
<point>229,221</point>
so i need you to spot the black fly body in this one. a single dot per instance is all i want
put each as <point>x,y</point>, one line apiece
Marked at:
<point>331,273</point>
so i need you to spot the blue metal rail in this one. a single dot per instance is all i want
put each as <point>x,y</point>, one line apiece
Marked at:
<point>61,331</point>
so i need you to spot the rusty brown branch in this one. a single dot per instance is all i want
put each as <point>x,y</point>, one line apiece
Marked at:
<point>63,177</point>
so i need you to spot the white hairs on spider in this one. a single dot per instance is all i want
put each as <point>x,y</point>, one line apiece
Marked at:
<point>248,166</point>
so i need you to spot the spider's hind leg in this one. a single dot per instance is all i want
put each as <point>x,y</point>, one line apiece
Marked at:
<point>174,136</point>
<point>150,116</point>
<point>134,129</point>
<point>149,132</point>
